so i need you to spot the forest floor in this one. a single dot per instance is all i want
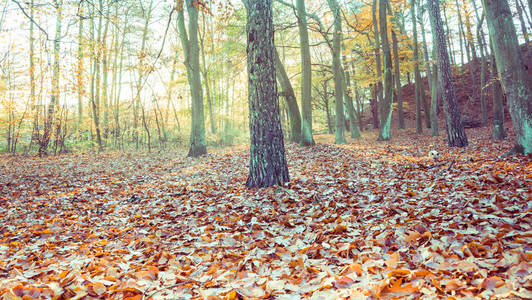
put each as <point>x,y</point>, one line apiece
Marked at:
<point>362,220</point>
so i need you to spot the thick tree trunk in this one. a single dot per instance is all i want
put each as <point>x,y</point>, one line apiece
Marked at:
<point>455,130</point>
<point>190,43</point>
<point>306,80</point>
<point>385,107</point>
<point>267,163</point>
<point>337,71</point>
<point>419,84</point>
<point>513,72</point>
<point>290,97</point>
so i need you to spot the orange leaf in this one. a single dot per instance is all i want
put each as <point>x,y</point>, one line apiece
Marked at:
<point>339,229</point>
<point>398,273</point>
<point>98,288</point>
<point>354,267</point>
<point>231,295</point>
<point>393,260</point>
<point>492,283</point>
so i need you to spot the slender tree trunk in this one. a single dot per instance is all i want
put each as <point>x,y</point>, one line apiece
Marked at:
<point>385,106</point>
<point>267,163</point>
<point>420,88</point>
<point>499,133</point>
<point>140,78</point>
<point>513,72</point>
<point>455,130</point>
<point>290,97</point>
<point>190,45</point>
<point>337,72</point>
<point>378,61</point>
<point>105,72</point>
<point>34,109</point>
<point>425,48</point>
<point>435,93</point>
<point>55,81</point>
<point>80,67</point>
<point>448,37</point>
<point>522,21</point>
<point>206,78</point>
<point>426,106</point>
<point>397,78</point>
<point>353,122</point>
<point>306,80</point>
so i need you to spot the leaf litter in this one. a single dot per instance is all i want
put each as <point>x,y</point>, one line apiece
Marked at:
<point>362,220</point>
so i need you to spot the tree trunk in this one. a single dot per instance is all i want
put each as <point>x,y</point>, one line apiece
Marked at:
<point>337,72</point>
<point>189,41</point>
<point>290,97</point>
<point>499,133</point>
<point>426,109</point>
<point>397,78</point>
<point>206,80</point>
<point>513,72</point>
<point>522,21</point>
<point>34,109</point>
<point>455,130</point>
<point>448,38</point>
<point>419,84</point>
<point>378,62</point>
<point>79,74</point>
<point>353,123</point>
<point>435,93</point>
<point>55,81</point>
<point>385,107</point>
<point>306,81</point>
<point>267,163</point>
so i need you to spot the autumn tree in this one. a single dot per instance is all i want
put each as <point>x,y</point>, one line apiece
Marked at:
<point>512,71</point>
<point>267,163</point>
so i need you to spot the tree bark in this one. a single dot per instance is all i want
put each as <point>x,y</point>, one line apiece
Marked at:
<point>455,130</point>
<point>267,163</point>
<point>513,72</point>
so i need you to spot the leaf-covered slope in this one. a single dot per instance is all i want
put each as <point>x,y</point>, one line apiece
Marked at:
<point>368,219</point>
